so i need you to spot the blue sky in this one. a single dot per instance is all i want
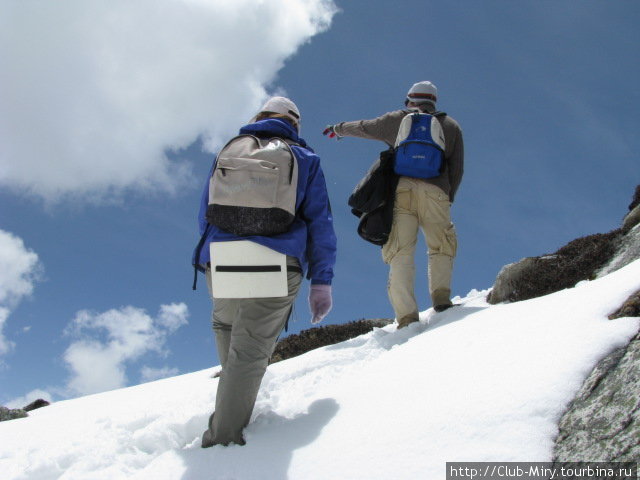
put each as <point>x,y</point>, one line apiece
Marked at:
<point>546,93</point>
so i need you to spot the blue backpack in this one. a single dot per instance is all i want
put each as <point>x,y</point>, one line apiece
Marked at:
<point>419,146</point>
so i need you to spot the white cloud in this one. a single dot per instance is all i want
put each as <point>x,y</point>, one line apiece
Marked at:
<point>106,342</point>
<point>94,93</point>
<point>173,316</point>
<point>5,345</point>
<point>19,267</point>
<point>19,270</point>
<point>149,374</point>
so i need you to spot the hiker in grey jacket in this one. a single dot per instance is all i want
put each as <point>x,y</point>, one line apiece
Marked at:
<point>419,202</point>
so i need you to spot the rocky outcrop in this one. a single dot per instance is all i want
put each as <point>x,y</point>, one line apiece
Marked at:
<point>585,258</point>
<point>635,201</point>
<point>307,340</point>
<point>628,250</point>
<point>603,421</point>
<point>581,259</point>
<point>631,219</point>
<point>630,308</point>
<point>511,284</point>
<point>11,413</point>
<point>39,403</point>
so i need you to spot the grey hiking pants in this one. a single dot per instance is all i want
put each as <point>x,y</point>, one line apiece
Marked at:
<point>246,331</point>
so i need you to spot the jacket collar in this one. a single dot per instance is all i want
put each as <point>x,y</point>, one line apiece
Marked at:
<point>274,127</point>
<point>426,107</point>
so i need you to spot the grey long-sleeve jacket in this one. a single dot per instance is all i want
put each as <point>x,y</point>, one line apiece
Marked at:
<point>385,128</point>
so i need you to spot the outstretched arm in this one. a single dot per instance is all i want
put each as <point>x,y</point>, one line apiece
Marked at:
<point>383,128</point>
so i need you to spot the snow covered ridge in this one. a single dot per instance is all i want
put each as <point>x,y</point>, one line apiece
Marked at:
<point>478,382</point>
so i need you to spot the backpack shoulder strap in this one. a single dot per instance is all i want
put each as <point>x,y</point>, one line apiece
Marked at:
<point>290,143</point>
<point>434,114</point>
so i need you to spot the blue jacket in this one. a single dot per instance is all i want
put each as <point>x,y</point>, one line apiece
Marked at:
<point>311,238</point>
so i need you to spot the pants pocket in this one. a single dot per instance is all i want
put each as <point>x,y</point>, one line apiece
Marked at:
<point>391,247</point>
<point>437,194</point>
<point>450,244</point>
<point>403,200</point>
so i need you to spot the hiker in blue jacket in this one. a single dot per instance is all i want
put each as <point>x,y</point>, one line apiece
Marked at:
<point>246,329</point>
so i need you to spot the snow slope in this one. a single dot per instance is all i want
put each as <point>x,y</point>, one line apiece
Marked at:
<point>474,383</point>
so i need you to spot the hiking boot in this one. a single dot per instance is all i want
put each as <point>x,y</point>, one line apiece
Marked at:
<point>207,436</point>
<point>443,307</point>
<point>406,321</point>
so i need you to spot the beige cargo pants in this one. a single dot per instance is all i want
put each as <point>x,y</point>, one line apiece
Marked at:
<point>419,204</point>
<point>246,331</point>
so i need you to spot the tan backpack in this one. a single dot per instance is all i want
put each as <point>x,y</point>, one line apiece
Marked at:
<point>253,187</point>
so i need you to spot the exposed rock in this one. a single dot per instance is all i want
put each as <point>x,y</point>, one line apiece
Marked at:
<point>585,258</point>
<point>630,308</point>
<point>603,421</point>
<point>11,413</point>
<point>631,219</point>
<point>307,340</point>
<point>636,199</point>
<point>532,277</point>
<point>627,251</point>
<point>39,403</point>
<point>511,281</point>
